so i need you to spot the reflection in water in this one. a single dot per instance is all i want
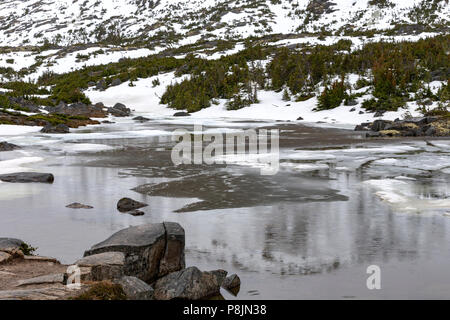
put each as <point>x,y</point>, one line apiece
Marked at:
<point>301,234</point>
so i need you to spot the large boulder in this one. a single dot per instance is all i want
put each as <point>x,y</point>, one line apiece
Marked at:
<point>145,247</point>
<point>173,259</point>
<point>135,289</point>
<point>187,284</point>
<point>127,204</point>
<point>104,266</point>
<point>120,110</point>
<point>27,177</point>
<point>5,146</point>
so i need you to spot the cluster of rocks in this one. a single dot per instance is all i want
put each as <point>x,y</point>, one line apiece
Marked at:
<point>413,127</point>
<point>77,115</point>
<point>147,261</point>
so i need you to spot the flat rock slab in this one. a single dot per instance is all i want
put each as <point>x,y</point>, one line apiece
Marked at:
<point>77,205</point>
<point>136,289</point>
<point>47,279</point>
<point>28,177</point>
<point>187,284</point>
<point>41,259</point>
<point>232,282</point>
<point>51,293</point>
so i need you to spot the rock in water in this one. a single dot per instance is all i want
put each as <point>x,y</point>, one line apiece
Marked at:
<point>136,289</point>
<point>136,213</point>
<point>127,204</point>
<point>60,128</point>
<point>145,249</point>
<point>140,118</point>
<point>232,282</point>
<point>27,177</point>
<point>77,205</point>
<point>5,146</point>
<point>187,284</point>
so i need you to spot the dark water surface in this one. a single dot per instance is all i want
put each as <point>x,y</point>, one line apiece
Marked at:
<point>338,205</point>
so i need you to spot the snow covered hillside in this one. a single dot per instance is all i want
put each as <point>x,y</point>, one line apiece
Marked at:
<point>32,22</point>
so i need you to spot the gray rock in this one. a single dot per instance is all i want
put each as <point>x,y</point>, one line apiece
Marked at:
<point>173,259</point>
<point>60,128</point>
<point>48,293</point>
<point>127,204</point>
<point>120,110</point>
<point>5,146</point>
<point>101,85</point>
<point>104,266</point>
<point>143,246</point>
<point>187,284</point>
<point>27,177</point>
<point>181,114</point>
<point>47,279</point>
<point>7,244</point>
<point>231,282</point>
<point>77,205</point>
<point>300,119</point>
<point>136,289</point>
<point>116,82</point>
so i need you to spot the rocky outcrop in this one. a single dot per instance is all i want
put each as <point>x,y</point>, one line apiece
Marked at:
<point>187,284</point>
<point>127,204</point>
<point>79,110</point>
<point>5,146</point>
<point>46,279</point>
<point>77,205</point>
<point>144,247</point>
<point>27,177</point>
<point>413,127</point>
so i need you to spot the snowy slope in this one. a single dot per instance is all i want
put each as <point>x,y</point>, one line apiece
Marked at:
<point>31,22</point>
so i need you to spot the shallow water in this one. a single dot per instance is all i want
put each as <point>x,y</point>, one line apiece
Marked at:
<point>338,205</point>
